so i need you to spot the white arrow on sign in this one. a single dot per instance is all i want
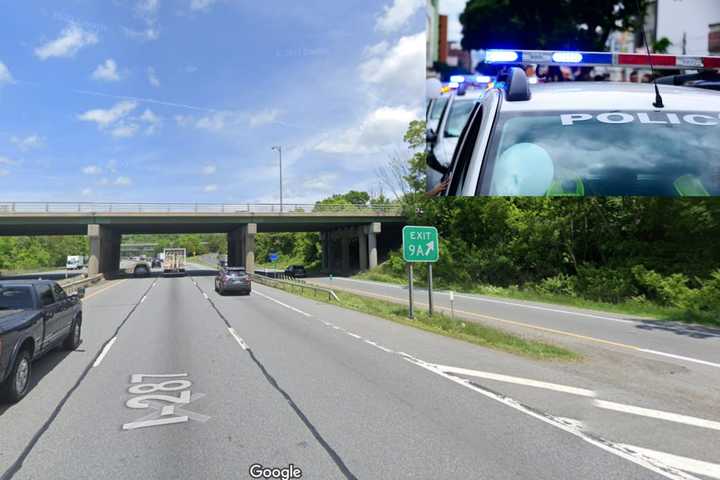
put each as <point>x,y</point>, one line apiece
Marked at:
<point>430,246</point>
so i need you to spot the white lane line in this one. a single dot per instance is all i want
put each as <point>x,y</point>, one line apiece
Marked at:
<point>143,298</point>
<point>104,352</point>
<point>255,292</point>
<point>377,345</point>
<point>616,449</point>
<point>700,467</point>
<point>659,414</point>
<point>680,357</point>
<point>238,338</point>
<point>205,295</point>
<point>355,335</point>
<point>518,380</point>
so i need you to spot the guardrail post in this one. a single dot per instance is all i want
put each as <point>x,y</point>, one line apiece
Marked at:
<point>47,207</point>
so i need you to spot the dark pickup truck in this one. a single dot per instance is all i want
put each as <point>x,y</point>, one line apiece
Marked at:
<point>35,317</point>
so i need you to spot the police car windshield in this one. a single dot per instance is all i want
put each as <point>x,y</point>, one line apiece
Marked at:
<point>436,111</point>
<point>604,153</point>
<point>458,116</point>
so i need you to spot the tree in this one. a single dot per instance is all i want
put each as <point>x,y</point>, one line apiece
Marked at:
<point>559,24</point>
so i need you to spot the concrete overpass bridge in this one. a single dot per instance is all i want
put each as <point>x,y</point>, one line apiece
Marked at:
<point>354,237</point>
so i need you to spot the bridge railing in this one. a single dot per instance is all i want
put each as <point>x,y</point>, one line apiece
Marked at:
<point>8,208</point>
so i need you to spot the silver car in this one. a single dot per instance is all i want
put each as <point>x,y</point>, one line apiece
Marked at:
<point>589,139</point>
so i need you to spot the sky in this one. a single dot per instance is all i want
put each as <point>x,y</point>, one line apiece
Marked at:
<point>183,100</point>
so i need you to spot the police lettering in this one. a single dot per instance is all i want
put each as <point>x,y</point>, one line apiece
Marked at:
<point>654,118</point>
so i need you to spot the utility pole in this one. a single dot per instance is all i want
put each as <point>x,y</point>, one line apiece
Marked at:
<point>278,148</point>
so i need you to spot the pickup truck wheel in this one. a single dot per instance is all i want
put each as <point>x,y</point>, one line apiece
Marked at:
<point>72,341</point>
<point>16,385</point>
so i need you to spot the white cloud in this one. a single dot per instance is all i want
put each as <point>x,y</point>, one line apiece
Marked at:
<point>397,72</point>
<point>5,76</point>
<point>106,71</point>
<point>91,170</point>
<point>4,173</point>
<point>148,34</point>
<point>191,69</point>
<point>324,182</point>
<point>86,192</point>
<point>27,143</point>
<point>263,117</point>
<point>395,17</point>
<point>147,7</point>
<point>71,39</point>
<point>152,77</point>
<point>183,120</point>
<point>124,130</point>
<point>209,169</point>
<point>6,161</point>
<point>380,128</point>
<point>210,188</point>
<point>216,122</point>
<point>123,181</point>
<point>107,117</point>
<point>152,120</point>
<point>201,4</point>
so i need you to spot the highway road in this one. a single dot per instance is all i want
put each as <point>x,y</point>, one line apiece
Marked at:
<point>680,343</point>
<point>274,379</point>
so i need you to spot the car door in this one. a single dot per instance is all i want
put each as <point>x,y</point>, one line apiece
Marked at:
<point>65,310</point>
<point>50,311</point>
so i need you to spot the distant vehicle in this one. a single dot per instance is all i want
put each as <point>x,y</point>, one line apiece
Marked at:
<point>74,262</point>
<point>141,269</point>
<point>156,262</point>
<point>233,279</point>
<point>35,317</point>
<point>296,271</point>
<point>174,261</point>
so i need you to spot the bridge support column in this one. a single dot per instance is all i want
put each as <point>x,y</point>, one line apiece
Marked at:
<point>362,248</point>
<point>104,250</point>
<point>373,230</point>
<point>241,247</point>
<point>345,252</point>
<point>323,250</point>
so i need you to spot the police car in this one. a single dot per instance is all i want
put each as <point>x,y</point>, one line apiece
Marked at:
<point>590,138</point>
<point>442,135</point>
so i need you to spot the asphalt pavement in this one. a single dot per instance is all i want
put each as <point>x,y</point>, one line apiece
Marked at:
<point>175,381</point>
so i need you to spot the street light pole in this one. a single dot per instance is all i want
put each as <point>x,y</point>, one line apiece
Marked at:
<point>279,150</point>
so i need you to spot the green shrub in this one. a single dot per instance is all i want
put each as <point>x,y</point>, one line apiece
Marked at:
<point>604,284</point>
<point>559,284</point>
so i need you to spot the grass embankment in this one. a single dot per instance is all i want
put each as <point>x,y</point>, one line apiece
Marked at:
<point>636,309</point>
<point>441,324</point>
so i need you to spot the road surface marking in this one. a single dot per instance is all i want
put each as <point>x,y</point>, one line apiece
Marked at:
<point>518,380</point>
<point>377,345</point>
<point>281,303</point>
<point>708,469</point>
<point>104,352</point>
<point>542,329</point>
<point>680,357</point>
<point>617,449</point>
<point>355,335</point>
<point>505,302</point>
<point>659,414</point>
<point>103,289</point>
<point>238,338</point>
<point>143,297</point>
<point>205,295</point>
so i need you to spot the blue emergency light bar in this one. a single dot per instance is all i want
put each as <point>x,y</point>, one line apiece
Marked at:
<point>588,59</point>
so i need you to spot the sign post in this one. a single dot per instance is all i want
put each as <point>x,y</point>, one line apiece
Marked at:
<point>420,245</point>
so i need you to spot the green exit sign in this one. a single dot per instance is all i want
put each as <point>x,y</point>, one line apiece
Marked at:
<point>420,244</point>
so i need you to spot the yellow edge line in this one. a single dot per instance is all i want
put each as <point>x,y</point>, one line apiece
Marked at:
<point>106,288</point>
<point>502,320</point>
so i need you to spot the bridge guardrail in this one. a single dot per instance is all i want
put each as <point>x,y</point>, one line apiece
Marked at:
<point>72,284</point>
<point>9,208</point>
<point>270,281</point>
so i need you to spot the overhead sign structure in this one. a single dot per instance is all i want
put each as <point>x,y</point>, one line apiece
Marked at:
<point>420,244</point>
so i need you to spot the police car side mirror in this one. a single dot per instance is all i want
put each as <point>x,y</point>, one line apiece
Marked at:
<point>430,136</point>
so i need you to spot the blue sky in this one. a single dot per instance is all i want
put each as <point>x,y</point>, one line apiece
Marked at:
<point>182,100</point>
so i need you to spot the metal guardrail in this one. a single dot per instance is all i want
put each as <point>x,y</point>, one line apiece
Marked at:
<point>269,281</point>
<point>71,284</point>
<point>217,208</point>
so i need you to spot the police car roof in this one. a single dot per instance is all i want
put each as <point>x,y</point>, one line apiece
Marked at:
<point>606,96</point>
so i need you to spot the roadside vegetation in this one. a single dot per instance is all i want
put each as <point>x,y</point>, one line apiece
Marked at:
<point>441,324</point>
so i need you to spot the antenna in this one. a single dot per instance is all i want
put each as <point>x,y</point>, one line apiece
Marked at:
<point>658,99</point>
